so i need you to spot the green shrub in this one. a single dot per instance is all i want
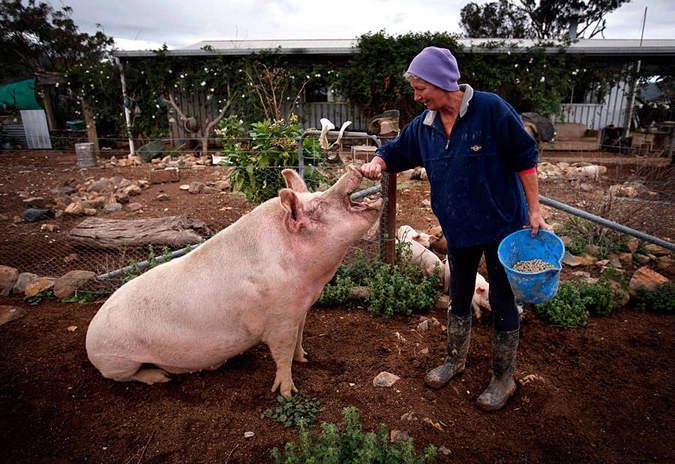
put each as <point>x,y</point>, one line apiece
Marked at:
<point>293,411</point>
<point>337,293</point>
<point>566,308</point>
<point>351,445</point>
<point>599,298</point>
<point>394,289</point>
<point>273,147</point>
<point>661,300</point>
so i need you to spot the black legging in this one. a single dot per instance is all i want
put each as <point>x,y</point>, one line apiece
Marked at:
<point>463,267</point>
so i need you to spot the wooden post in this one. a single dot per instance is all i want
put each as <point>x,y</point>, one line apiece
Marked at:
<point>388,218</point>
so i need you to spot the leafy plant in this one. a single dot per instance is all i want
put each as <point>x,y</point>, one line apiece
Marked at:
<point>349,445</point>
<point>337,293</point>
<point>293,411</point>
<point>395,289</point>
<point>39,297</point>
<point>80,297</point>
<point>599,298</point>
<point>566,308</point>
<point>661,300</point>
<point>273,147</point>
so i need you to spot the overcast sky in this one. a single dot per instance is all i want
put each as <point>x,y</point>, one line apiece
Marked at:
<point>147,24</point>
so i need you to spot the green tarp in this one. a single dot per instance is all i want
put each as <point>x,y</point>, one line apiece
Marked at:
<point>20,94</point>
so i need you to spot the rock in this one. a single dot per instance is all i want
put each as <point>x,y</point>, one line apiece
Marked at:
<point>398,435</point>
<point>101,186</point>
<point>385,379</point>
<point>423,326</point>
<point>74,209</point>
<point>657,250</point>
<point>641,259</point>
<point>249,434</point>
<point>665,263</point>
<point>8,277</point>
<point>10,313</point>
<point>38,285</point>
<point>68,284</point>
<point>633,244</point>
<point>34,215</point>
<point>645,277</point>
<point>196,187</point>
<point>133,207</point>
<point>22,281</point>
<point>160,176</point>
<point>586,260</point>
<point>163,197</point>
<point>112,207</point>
<point>35,202</point>
<point>49,228</point>
<point>570,260</point>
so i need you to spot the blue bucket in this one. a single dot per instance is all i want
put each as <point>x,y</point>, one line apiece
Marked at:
<point>532,287</point>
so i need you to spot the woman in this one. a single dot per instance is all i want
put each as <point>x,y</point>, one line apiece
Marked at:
<point>481,165</point>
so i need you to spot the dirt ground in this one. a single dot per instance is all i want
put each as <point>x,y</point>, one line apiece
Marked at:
<point>603,393</point>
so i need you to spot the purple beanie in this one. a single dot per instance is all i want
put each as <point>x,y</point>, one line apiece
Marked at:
<point>437,66</point>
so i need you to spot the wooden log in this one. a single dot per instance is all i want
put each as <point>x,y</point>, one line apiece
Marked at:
<point>172,231</point>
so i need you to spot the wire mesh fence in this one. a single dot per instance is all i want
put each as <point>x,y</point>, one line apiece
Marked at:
<point>59,218</point>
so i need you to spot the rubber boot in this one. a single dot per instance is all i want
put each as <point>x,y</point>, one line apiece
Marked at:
<point>459,336</point>
<point>502,386</point>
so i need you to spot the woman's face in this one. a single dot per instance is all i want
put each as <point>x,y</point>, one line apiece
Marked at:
<point>431,96</point>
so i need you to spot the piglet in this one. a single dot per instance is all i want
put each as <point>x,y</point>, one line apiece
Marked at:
<point>252,282</point>
<point>481,291</point>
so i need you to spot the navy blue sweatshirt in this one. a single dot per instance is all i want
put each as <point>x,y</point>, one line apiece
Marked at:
<point>476,193</point>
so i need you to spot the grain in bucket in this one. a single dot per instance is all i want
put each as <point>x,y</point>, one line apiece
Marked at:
<point>532,264</point>
<point>86,155</point>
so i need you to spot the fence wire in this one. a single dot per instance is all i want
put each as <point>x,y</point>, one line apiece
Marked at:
<point>49,183</point>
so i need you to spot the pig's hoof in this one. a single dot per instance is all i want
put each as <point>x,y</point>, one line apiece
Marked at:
<point>151,376</point>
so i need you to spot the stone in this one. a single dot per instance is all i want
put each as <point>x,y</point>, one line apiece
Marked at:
<point>34,215</point>
<point>665,263</point>
<point>8,277</point>
<point>133,207</point>
<point>22,280</point>
<point>645,277</point>
<point>68,284</point>
<point>75,209</point>
<point>385,379</point>
<point>35,202</point>
<point>196,187</point>
<point>657,250</point>
<point>38,285</point>
<point>570,260</point>
<point>160,176</point>
<point>10,313</point>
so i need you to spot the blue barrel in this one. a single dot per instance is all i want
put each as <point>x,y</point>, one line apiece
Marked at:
<point>532,287</point>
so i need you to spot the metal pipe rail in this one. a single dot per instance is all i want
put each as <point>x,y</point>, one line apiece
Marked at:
<point>607,223</point>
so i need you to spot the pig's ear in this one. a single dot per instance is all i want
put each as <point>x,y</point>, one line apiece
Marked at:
<point>480,290</point>
<point>294,181</point>
<point>294,217</point>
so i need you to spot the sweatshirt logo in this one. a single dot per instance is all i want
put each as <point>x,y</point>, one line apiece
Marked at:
<point>476,148</point>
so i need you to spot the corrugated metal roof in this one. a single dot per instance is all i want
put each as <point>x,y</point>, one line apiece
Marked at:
<point>606,47</point>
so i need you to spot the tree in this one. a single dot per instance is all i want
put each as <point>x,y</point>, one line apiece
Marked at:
<point>537,19</point>
<point>494,20</point>
<point>36,39</point>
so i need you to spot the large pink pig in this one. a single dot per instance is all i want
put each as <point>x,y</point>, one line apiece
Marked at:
<point>252,282</point>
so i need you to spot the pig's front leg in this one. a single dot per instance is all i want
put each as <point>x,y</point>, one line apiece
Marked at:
<point>300,353</point>
<point>282,342</point>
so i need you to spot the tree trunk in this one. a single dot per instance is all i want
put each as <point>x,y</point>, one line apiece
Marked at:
<point>110,234</point>
<point>90,122</point>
